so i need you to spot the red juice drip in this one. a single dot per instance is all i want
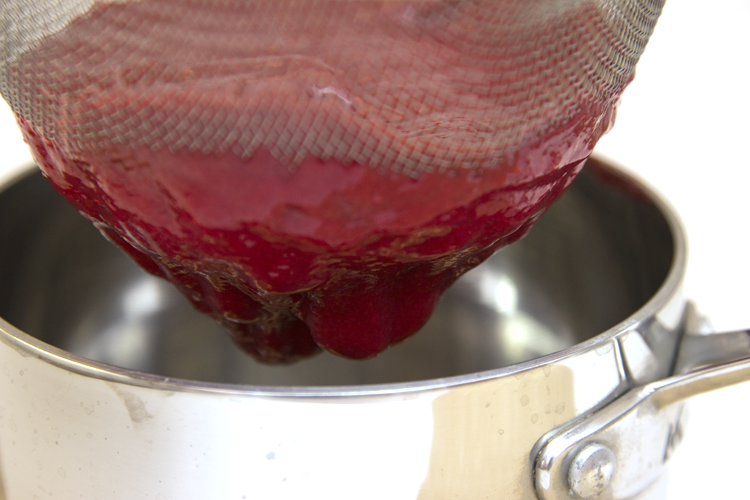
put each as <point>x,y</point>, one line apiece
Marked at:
<point>290,253</point>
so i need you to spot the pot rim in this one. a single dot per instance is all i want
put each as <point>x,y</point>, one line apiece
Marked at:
<point>27,345</point>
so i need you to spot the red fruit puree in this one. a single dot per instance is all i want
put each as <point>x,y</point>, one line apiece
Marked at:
<point>287,238</point>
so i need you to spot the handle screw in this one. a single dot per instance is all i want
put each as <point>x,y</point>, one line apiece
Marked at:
<point>591,471</point>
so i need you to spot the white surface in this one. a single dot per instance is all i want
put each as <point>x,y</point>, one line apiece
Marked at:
<point>684,128</point>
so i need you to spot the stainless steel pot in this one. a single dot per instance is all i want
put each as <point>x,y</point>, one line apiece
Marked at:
<point>556,370</point>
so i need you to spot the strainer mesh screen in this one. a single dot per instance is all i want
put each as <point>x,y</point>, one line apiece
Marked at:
<point>415,86</point>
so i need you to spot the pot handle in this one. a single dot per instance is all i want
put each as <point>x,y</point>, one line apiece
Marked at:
<point>603,455</point>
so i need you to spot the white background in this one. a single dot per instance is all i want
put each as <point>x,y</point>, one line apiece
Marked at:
<point>684,128</point>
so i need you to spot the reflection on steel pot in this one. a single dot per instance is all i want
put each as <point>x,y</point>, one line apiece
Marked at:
<point>558,369</point>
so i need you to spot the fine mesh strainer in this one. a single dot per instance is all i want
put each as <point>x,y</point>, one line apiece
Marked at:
<point>316,173</point>
<point>413,86</point>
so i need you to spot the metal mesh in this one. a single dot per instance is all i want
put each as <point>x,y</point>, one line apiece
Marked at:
<point>414,86</point>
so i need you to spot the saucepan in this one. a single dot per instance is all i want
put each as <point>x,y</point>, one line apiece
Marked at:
<point>559,369</point>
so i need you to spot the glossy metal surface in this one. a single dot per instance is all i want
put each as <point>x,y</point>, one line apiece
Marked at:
<point>654,412</point>
<point>512,354</point>
<point>591,471</point>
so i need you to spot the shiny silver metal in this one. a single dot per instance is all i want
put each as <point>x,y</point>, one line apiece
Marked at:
<point>653,412</point>
<point>112,387</point>
<point>592,470</point>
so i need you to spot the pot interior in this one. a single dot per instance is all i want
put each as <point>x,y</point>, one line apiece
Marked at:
<point>597,255</point>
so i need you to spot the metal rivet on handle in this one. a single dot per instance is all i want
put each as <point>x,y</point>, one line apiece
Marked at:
<point>591,471</point>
